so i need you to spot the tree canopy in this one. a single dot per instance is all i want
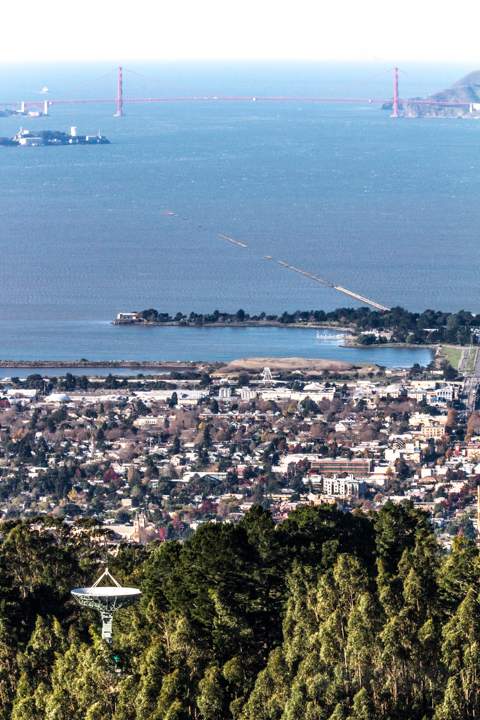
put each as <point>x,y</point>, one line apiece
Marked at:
<point>325,616</point>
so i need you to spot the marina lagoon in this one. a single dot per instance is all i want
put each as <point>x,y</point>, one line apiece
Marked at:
<point>102,341</point>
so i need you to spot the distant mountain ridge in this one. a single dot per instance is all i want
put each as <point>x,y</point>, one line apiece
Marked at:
<point>466,90</point>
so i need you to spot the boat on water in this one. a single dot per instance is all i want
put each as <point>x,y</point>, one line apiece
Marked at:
<point>329,337</point>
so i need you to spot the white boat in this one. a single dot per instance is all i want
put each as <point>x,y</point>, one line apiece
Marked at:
<point>329,337</point>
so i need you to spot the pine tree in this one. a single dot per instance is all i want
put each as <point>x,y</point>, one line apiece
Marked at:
<point>268,697</point>
<point>410,637</point>
<point>46,641</point>
<point>24,706</point>
<point>8,674</point>
<point>300,619</point>
<point>151,668</point>
<point>362,647</point>
<point>461,657</point>
<point>460,569</point>
<point>172,699</point>
<point>84,685</point>
<point>339,713</point>
<point>211,696</point>
<point>397,528</point>
<point>362,707</point>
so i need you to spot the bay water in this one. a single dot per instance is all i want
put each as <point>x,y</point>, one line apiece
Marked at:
<point>387,208</point>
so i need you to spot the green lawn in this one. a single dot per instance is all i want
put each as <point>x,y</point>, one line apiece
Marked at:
<point>453,354</point>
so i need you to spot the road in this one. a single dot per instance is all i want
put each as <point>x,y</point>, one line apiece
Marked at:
<point>470,366</point>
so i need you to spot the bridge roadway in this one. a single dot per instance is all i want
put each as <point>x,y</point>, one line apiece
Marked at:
<point>39,102</point>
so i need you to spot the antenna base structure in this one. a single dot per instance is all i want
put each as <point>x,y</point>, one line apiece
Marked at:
<point>106,599</point>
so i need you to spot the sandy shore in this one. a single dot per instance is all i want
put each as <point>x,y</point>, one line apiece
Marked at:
<point>289,364</point>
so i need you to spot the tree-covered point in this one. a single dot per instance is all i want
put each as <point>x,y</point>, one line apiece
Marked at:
<point>430,326</point>
<point>325,616</point>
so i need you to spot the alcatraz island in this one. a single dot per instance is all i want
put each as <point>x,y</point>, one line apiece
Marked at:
<point>26,138</point>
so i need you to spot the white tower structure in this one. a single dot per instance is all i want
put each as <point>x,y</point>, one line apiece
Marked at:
<point>267,376</point>
<point>107,599</point>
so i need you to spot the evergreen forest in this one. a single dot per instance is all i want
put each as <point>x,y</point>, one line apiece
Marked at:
<point>324,616</point>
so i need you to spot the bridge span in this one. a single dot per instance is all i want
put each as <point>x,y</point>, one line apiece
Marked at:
<point>120,99</point>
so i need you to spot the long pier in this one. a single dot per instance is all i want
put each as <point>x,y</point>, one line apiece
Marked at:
<point>361,298</point>
<point>312,276</point>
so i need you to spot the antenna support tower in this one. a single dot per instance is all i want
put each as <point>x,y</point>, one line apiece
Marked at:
<point>395,104</point>
<point>106,599</point>
<point>267,377</point>
<point>119,103</point>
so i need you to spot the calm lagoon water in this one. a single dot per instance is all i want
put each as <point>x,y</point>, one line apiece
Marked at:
<point>389,209</point>
<point>104,341</point>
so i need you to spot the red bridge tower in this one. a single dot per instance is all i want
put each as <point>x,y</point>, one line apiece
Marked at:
<point>119,103</point>
<point>395,104</point>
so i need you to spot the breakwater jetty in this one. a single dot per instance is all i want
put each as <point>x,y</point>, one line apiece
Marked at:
<point>171,365</point>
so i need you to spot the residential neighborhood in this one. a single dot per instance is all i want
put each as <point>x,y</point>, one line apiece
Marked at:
<point>152,458</point>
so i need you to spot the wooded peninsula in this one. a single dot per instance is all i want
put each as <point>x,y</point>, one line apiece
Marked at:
<point>365,326</point>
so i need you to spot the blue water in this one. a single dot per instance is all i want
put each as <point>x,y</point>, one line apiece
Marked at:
<point>102,341</point>
<point>389,209</point>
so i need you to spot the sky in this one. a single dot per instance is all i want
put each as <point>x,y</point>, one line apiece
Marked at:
<point>341,30</point>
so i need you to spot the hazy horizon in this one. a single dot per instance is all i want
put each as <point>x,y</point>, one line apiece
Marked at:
<point>249,77</point>
<point>374,30</point>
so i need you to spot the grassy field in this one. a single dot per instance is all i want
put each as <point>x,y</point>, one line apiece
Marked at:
<point>452,354</point>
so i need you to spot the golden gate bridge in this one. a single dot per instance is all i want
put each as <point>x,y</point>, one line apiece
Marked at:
<point>119,99</point>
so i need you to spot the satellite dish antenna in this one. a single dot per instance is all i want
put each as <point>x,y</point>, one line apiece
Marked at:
<point>107,599</point>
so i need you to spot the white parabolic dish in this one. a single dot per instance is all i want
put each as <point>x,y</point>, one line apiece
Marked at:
<point>106,598</point>
<point>106,591</point>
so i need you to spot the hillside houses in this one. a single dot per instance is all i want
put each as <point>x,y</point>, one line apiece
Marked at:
<point>188,450</point>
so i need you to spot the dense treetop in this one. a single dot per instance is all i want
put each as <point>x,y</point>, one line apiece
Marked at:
<point>326,616</point>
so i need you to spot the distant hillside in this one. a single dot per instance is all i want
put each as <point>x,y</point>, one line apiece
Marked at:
<point>466,90</point>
